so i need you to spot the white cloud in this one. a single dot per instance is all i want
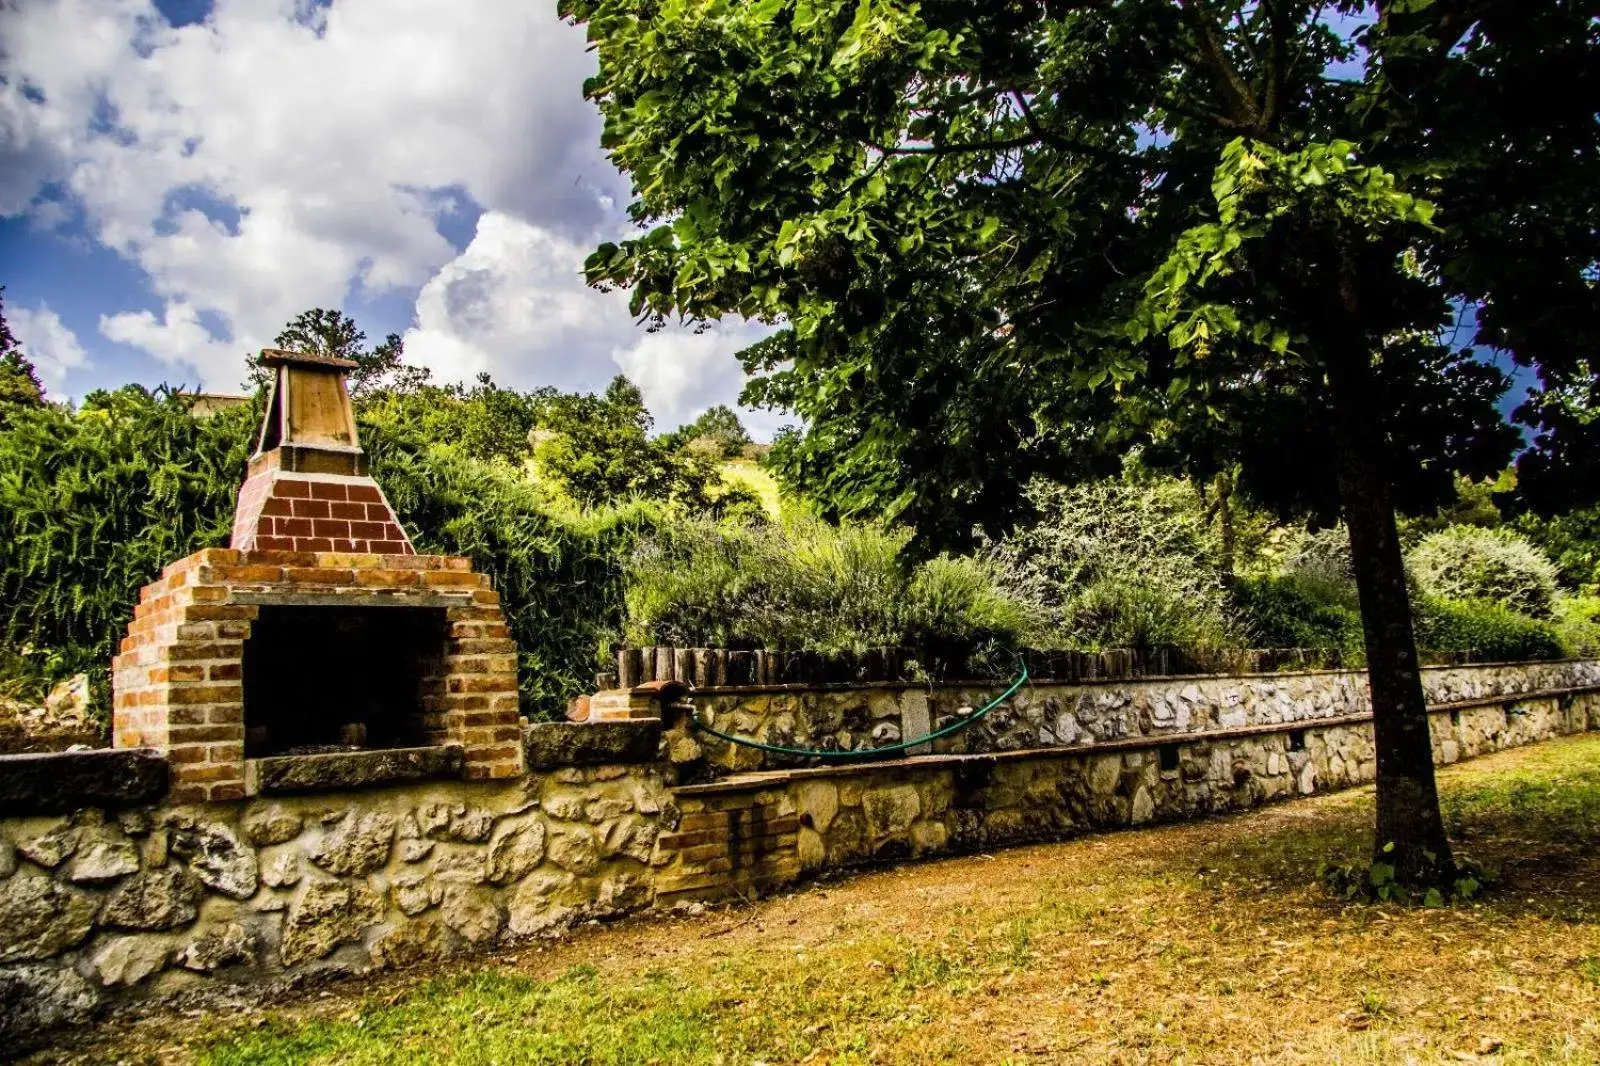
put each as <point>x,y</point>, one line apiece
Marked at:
<point>49,345</point>
<point>514,303</point>
<point>280,155</point>
<point>681,373</point>
<point>327,139</point>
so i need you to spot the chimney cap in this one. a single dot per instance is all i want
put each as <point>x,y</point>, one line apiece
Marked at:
<point>277,357</point>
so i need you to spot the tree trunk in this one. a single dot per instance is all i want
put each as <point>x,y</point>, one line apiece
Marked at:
<point>1408,799</point>
<point>1225,518</point>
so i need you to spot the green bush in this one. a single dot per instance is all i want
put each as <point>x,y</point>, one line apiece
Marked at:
<point>1470,563</point>
<point>1292,612</point>
<point>1577,622</point>
<point>1572,541</point>
<point>94,503</point>
<point>559,572</point>
<point>806,584</point>
<point>1489,631</point>
<point>1121,563</point>
<point>1321,568</point>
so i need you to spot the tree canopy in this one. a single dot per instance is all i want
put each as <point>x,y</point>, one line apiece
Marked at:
<point>1019,237</point>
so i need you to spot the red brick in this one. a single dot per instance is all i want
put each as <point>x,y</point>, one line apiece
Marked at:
<point>328,490</point>
<point>278,505</point>
<point>311,508</point>
<point>291,487</point>
<point>349,511</point>
<point>314,544</point>
<point>198,772</point>
<point>403,561</point>
<point>451,579</point>
<point>284,544</point>
<point>333,528</point>
<point>386,578</point>
<point>202,734</point>
<point>253,572</point>
<point>319,576</point>
<point>366,530</point>
<point>365,493</point>
<point>391,548</point>
<point>483,683</point>
<point>209,612</point>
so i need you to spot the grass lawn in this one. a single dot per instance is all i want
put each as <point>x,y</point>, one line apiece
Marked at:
<point>1207,942</point>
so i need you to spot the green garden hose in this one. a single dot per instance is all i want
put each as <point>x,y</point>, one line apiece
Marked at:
<point>866,753</point>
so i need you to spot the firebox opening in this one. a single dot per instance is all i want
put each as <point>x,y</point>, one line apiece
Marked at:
<point>328,678</point>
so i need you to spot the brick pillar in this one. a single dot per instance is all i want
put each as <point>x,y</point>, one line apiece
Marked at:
<point>178,681</point>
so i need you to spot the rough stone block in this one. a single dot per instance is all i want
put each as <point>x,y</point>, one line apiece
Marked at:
<point>59,782</point>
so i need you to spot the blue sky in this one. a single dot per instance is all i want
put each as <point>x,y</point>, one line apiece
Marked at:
<point>178,178</point>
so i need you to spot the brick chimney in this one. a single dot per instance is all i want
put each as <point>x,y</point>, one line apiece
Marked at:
<point>308,488</point>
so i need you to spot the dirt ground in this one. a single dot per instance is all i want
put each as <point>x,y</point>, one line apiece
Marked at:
<point>1198,943</point>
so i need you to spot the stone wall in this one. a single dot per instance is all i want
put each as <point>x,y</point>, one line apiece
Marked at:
<point>101,906</point>
<point>1049,714</point>
<point>751,830</point>
<point>110,892</point>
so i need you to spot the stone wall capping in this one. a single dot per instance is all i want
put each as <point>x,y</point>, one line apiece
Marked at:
<point>340,770</point>
<point>65,781</point>
<point>552,745</point>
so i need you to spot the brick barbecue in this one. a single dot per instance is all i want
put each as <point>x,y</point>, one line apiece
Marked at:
<point>320,628</point>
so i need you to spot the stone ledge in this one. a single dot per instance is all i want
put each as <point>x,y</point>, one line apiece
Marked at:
<point>336,771</point>
<point>551,745</point>
<point>65,781</point>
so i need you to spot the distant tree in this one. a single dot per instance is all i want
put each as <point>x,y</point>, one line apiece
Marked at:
<point>718,432</point>
<point>597,448</point>
<point>19,382</point>
<point>323,332</point>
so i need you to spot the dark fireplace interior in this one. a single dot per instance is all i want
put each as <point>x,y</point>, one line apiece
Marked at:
<point>320,679</point>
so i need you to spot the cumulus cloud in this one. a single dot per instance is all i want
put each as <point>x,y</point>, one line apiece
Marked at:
<point>280,155</point>
<point>49,345</point>
<point>514,303</point>
<point>268,159</point>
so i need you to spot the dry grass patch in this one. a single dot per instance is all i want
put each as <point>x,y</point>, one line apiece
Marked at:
<point>1201,943</point>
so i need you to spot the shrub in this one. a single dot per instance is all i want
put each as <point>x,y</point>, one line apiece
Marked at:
<point>1121,563</point>
<point>1469,563</point>
<point>1577,622</point>
<point>94,503</point>
<point>1488,630</point>
<point>806,584</point>
<point>1292,612</point>
<point>1321,568</point>
<point>1572,541</point>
